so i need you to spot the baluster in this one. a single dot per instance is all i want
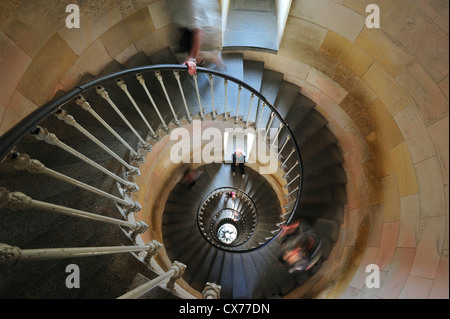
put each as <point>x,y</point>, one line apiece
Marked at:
<point>154,249</point>
<point>272,116</point>
<point>174,273</point>
<point>289,184</point>
<point>296,164</point>
<point>43,134</point>
<point>141,80</point>
<point>161,81</point>
<point>211,84</point>
<point>176,73</point>
<point>286,215</point>
<point>287,205</point>
<point>225,83</point>
<point>200,105</point>
<point>16,201</point>
<point>275,139</point>
<point>81,101</point>
<point>124,88</point>
<point>288,195</point>
<point>281,223</point>
<point>102,92</point>
<point>260,115</point>
<point>11,254</point>
<point>179,269</point>
<point>211,291</point>
<point>287,158</point>
<point>284,145</point>
<point>238,103</point>
<point>33,166</point>
<point>252,96</point>
<point>70,120</point>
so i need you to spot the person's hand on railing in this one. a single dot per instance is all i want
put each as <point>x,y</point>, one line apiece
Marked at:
<point>191,63</point>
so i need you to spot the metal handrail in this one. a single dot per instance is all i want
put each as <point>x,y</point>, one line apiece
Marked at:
<point>30,123</point>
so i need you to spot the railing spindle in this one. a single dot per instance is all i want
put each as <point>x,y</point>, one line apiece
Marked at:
<point>43,134</point>
<point>200,105</point>
<point>176,73</point>
<point>102,92</point>
<point>154,249</point>
<point>225,83</point>
<point>11,254</point>
<point>260,115</point>
<point>252,96</point>
<point>70,120</point>
<point>211,84</point>
<point>284,145</point>
<point>272,116</point>
<point>141,80</point>
<point>81,101</point>
<point>275,139</point>
<point>174,273</point>
<point>287,158</point>
<point>292,168</point>
<point>211,291</point>
<point>287,205</point>
<point>33,166</point>
<point>238,104</point>
<point>123,86</point>
<point>161,81</point>
<point>292,181</point>
<point>18,201</point>
<point>288,195</point>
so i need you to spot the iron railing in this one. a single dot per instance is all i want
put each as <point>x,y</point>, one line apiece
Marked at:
<point>210,94</point>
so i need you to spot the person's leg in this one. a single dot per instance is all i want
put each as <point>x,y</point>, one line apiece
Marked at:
<point>241,168</point>
<point>213,57</point>
<point>184,44</point>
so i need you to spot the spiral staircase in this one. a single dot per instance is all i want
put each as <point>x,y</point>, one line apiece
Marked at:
<point>310,184</point>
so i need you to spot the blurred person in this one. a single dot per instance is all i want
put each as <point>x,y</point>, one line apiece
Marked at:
<point>230,198</point>
<point>288,230</point>
<point>230,195</point>
<point>191,177</point>
<point>300,250</point>
<point>200,24</point>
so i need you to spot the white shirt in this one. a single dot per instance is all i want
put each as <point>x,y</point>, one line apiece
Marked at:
<point>197,14</point>
<point>200,14</point>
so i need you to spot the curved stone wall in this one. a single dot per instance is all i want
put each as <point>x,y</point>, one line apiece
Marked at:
<point>385,92</point>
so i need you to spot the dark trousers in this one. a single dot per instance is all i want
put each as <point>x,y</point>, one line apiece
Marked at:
<point>240,165</point>
<point>185,40</point>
